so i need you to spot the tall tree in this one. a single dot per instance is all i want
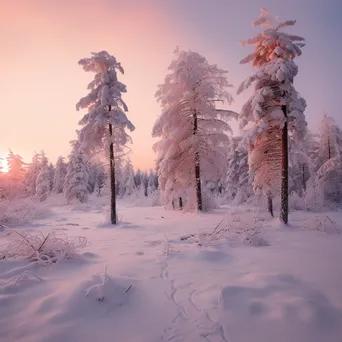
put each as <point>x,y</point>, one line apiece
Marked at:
<point>275,109</point>
<point>105,120</point>
<point>192,132</point>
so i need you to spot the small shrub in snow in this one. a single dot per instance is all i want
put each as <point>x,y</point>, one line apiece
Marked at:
<point>322,224</point>
<point>106,287</point>
<point>236,227</point>
<point>42,249</point>
<point>17,212</point>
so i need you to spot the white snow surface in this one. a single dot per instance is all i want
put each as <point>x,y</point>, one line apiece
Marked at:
<point>139,281</point>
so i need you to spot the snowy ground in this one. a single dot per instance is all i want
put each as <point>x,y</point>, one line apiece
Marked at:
<point>161,287</point>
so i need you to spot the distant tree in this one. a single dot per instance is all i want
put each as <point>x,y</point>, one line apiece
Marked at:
<point>100,180</point>
<point>238,179</point>
<point>275,108</point>
<point>76,184</point>
<point>43,180</point>
<point>16,167</point>
<point>192,132</point>
<point>33,170</point>
<point>137,178</point>
<point>106,120</point>
<point>329,162</point>
<point>59,175</point>
<point>151,186</point>
<point>128,184</point>
<point>51,175</point>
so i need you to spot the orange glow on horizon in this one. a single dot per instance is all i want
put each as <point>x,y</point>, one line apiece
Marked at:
<point>3,163</point>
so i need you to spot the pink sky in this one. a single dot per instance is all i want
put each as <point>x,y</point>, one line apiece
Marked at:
<point>43,40</point>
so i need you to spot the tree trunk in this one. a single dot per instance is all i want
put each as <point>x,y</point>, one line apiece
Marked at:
<point>270,204</point>
<point>197,169</point>
<point>303,179</point>
<point>284,196</point>
<point>112,176</point>
<point>180,203</point>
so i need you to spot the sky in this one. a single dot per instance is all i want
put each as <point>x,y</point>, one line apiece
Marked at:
<point>42,41</point>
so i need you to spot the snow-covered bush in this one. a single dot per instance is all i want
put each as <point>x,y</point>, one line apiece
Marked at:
<point>322,224</point>
<point>237,228</point>
<point>42,249</point>
<point>22,211</point>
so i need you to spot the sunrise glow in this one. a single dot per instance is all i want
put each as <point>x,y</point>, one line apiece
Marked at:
<point>3,163</point>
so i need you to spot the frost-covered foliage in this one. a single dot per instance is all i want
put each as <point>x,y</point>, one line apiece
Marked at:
<point>238,181</point>
<point>104,103</point>
<point>32,173</point>
<point>43,180</point>
<point>76,184</point>
<point>59,175</point>
<point>262,117</point>
<point>22,211</point>
<point>128,186</point>
<point>238,229</point>
<point>42,249</point>
<point>192,132</point>
<point>325,185</point>
<point>16,167</point>
<point>11,182</point>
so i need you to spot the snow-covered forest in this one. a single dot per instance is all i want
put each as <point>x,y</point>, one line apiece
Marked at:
<point>230,236</point>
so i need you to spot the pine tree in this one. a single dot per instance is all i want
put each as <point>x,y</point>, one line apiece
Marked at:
<point>192,132</point>
<point>238,180</point>
<point>128,183</point>
<point>275,108</point>
<point>100,180</point>
<point>43,180</point>
<point>151,185</point>
<point>76,184</point>
<point>16,167</point>
<point>106,120</point>
<point>59,175</point>
<point>33,170</point>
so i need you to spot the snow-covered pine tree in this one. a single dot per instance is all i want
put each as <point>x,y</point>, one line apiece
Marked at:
<point>51,175</point>
<point>329,163</point>
<point>15,175</point>
<point>128,185</point>
<point>43,179</point>
<point>100,180</point>
<point>151,185</point>
<point>192,132</point>
<point>59,176</point>
<point>106,119</point>
<point>275,109</point>
<point>76,185</point>
<point>32,173</point>
<point>16,167</point>
<point>238,181</point>
<point>137,178</point>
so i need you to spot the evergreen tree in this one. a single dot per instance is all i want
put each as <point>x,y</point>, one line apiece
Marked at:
<point>76,184</point>
<point>33,170</point>
<point>106,120</point>
<point>275,108</point>
<point>192,132</point>
<point>43,180</point>
<point>59,175</point>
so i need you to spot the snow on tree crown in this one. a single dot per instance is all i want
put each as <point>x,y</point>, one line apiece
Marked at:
<point>271,43</point>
